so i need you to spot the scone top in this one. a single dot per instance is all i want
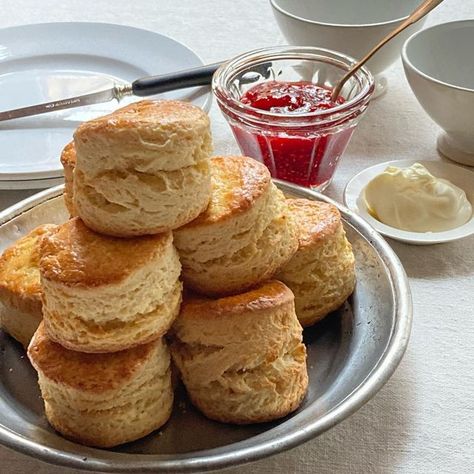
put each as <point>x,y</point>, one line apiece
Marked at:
<point>163,135</point>
<point>270,294</point>
<point>237,183</point>
<point>74,255</point>
<point>315,221</point>
<point>263,314</point>
<point>87,372</point>
<point>19,265</point>
<point>145,114</point>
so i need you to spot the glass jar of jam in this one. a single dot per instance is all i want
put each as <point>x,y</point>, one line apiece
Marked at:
<point>277,102</point>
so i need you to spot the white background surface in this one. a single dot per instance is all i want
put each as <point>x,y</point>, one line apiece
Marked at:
<point>422,421</point>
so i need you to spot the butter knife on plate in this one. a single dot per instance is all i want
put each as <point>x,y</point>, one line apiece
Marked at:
<point>146,86</point>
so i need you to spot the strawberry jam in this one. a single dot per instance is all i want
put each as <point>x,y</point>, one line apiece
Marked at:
<point>306,153</point>
<point>290,97</point>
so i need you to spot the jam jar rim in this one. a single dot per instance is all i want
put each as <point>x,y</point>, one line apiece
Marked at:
<point>258,56</point>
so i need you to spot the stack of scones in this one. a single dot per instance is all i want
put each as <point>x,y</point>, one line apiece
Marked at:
<point>170,255</point>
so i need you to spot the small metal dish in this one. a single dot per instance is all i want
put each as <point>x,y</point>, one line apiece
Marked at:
<point>351,354</point>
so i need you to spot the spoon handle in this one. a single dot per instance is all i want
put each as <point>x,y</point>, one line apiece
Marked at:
<point>416,15</point>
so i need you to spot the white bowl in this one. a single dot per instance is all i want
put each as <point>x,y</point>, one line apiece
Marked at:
<point>439,65</point>
<point>354,200</point>
<point>352,28</point>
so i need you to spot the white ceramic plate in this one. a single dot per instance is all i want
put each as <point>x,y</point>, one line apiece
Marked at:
<point>456,174</point>
<point>49,61</point>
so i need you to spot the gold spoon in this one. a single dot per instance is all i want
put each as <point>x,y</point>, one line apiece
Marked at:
<point>416,15</point>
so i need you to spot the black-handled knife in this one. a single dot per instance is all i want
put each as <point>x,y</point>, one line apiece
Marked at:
<point>198,76</point>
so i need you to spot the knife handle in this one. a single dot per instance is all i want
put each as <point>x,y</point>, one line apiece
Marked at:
<point>198,76</point>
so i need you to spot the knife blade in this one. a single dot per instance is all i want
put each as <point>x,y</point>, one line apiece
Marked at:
<point>78,101</point>
<point>198,76</point>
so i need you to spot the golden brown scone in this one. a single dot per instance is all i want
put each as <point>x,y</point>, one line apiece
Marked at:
<point>68,160</point>
<point>143,169</point>
<point>105,294</point>
<point>241,357</point>
<point>244,236</point>
<point>20,287</point>
<point>103,400</point>
<point>322,273</point>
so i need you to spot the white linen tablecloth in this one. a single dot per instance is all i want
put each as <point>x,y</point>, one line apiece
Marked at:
<point>422,421</point>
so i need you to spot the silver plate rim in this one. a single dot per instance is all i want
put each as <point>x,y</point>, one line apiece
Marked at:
<point>219,458</point>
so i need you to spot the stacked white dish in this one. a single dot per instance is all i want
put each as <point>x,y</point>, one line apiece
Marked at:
<point>52,61</point>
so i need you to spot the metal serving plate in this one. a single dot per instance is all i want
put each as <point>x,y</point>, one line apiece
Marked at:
<point>351,354</point>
